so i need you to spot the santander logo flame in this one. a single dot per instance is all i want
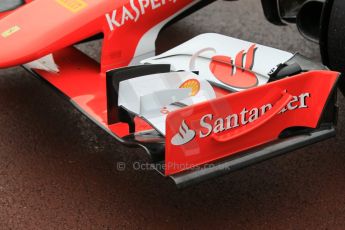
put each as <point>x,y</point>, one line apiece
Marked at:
<point>184,135</point>
<point>236,73</point>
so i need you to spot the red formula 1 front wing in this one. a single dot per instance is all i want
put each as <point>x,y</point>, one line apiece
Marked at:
<point>234,130</point>
<point>212,138</point>
<point>278,101</point>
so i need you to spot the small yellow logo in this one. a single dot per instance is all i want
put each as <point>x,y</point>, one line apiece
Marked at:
<point>192,84</point>
<point>10,31</point>
<point>73,5</point>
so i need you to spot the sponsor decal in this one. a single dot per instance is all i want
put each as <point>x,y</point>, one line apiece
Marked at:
<point>193,84</point>
<point>73,5</point>
<point>10,31</point>
<point>184,135</point>
<point>210,125</point>
<point>236,73</point>
<point>133,11</point>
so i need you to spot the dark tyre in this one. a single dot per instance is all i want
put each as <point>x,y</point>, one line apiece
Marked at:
<point>332,40</point>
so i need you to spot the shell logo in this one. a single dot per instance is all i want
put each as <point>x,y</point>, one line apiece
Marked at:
<point>193,84</point>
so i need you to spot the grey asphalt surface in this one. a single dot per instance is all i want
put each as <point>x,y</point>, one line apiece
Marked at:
<point>59,171</point>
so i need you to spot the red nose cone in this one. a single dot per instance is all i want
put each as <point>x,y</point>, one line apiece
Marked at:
<point>43,27</point>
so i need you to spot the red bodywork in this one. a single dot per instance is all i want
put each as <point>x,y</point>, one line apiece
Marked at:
<point>48,26</point>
